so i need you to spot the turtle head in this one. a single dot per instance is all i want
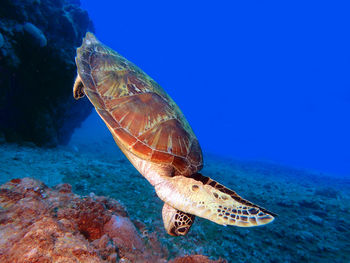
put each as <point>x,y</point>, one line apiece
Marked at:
<point>83,53</point>
<point>78,88</point>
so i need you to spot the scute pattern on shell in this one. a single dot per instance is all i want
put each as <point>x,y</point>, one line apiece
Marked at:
<point>141,116</point>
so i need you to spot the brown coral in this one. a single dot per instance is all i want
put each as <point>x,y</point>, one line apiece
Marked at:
<point>40,224</point>
<point>45,225</point>
<point>196,259</point>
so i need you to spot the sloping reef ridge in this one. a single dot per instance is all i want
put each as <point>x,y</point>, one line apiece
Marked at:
<point>312,223</point>
<point>38,39</point>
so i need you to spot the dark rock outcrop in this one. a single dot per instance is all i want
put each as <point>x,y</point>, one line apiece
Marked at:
<point>38,39</point>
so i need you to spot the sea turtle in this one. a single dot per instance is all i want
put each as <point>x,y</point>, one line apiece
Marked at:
<point>154,135</point>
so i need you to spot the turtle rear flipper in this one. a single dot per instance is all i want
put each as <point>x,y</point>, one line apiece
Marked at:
<point>176,222</point>
<point>78,88</point>
<point>204,197</point>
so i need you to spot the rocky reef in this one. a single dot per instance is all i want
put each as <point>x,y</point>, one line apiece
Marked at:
<point>40,224</point>
<point>313,209</point>
<point>38,39</point>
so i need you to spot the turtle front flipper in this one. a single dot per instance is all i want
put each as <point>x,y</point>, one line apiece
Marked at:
<point>176,222</point>
<point>78,88</point>
<point>203,197</point>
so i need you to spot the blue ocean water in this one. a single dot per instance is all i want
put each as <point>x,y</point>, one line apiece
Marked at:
<point>260,83</point>
<point>256,80</point>
<point>265,87</point>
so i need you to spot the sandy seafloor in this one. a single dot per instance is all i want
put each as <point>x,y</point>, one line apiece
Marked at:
<point>313,209</point>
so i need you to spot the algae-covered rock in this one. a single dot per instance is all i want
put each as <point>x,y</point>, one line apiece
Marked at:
<point>196,259</point>
<point>56,225</point>
<point>37,69</point>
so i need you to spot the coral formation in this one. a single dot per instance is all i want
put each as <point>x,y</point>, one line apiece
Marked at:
<point>37,48</point>
<point>40,224</point>
<point>196,259</point>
